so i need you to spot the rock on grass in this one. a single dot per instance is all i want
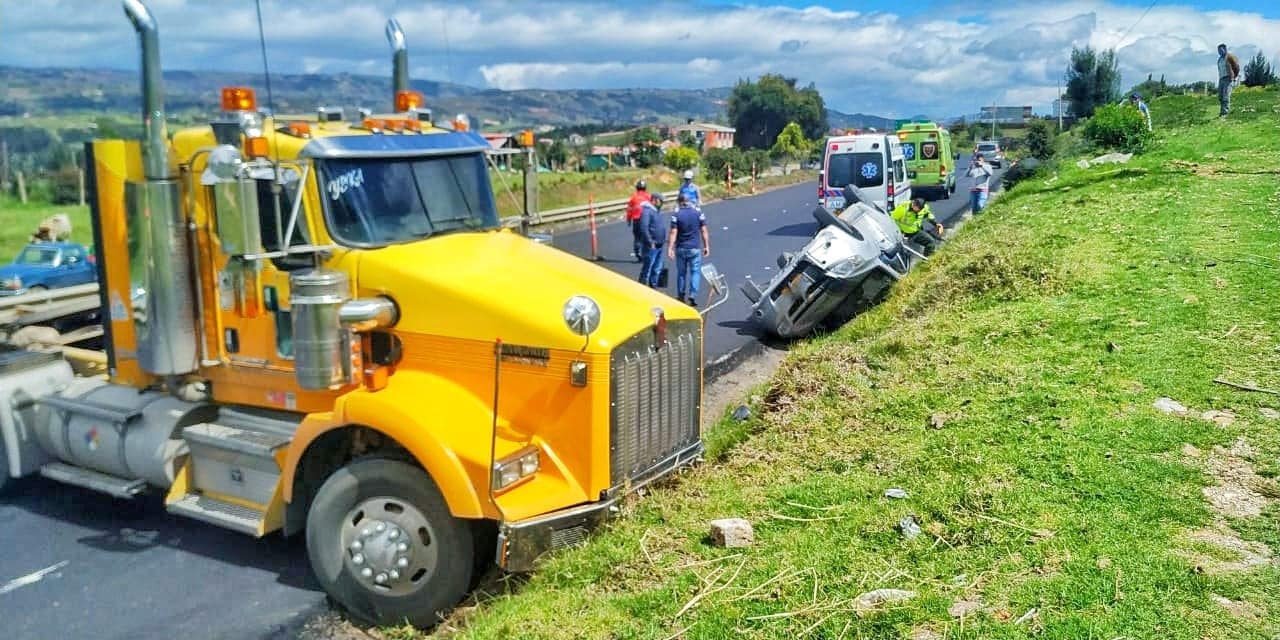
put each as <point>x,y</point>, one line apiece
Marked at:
<point>732,533</point>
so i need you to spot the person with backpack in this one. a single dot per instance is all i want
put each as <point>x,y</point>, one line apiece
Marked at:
<point>1228,71</point>
<point>638,199</point>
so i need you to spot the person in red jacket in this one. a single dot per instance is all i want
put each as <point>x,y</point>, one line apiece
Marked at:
<point>634,206</point>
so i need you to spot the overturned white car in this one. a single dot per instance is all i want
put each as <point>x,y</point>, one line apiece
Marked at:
<point>857,254</point>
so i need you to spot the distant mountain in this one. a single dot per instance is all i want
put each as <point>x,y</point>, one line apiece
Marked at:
<point>839,120</point>
<point>58,91</point>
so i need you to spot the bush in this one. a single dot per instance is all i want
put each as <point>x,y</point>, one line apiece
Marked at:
<point>1040,140</point>
<point>717,161</point>
<point>64,186</point>
<point>1118,127</point>
<point>681,158</point>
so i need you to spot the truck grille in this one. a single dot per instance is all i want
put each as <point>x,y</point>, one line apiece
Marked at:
<point>656,395</point>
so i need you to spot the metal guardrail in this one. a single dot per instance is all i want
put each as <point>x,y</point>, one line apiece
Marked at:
<point>40,306</point>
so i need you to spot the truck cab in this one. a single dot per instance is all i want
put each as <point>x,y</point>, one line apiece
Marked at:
<point>317,323</point>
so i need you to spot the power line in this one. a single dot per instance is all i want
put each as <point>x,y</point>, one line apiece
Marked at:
<point>1130,29</point>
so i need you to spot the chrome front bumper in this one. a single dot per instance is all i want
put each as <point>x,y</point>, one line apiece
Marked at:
<point>521,543</point>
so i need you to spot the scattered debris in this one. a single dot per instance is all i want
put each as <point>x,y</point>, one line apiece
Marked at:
<point>1112,158</point>
<point>1083,164</point>
<point>965,608</point>
<point>873,599</point>
<point>1026,617</point>
<point>1169,405</point>
<point>1112,347</point>
<point>742,413</point>
<point>896,493</point>
<point>909,527</point>
<point>1269,413</point>
<point>1104,563</point>
<point>937,421</point>
<point>1220,418</point>
<point>732,533</point>
<point>1190,451</point>
<point>1245,387</point>
<point>924,633</point>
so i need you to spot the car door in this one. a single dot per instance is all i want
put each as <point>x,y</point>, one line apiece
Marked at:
<point>77,266</point>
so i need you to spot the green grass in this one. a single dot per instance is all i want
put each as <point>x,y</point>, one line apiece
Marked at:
<point>1040,336</point>
<point>18,221</point>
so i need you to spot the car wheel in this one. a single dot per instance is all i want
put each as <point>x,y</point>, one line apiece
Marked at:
<point>383,544</point>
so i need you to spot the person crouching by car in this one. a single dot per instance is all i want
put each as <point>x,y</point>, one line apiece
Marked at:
<point>638,199</point>
<point>916,222</point>
<point>654,235</point>
<point>687,244</point>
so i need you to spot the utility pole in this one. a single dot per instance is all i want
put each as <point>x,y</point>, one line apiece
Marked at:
<point>993,119</point>
<point>1060,105</point>
<point>4,166</point>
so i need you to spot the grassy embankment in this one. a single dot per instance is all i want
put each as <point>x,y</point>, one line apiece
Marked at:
<point>18,221</point>
<point>1008,387</point>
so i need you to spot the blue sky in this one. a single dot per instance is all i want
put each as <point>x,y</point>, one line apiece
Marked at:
<point>933,58</point>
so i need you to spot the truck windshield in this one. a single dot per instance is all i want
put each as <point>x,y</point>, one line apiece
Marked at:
<point>859,169</point>
<point>375,202</point>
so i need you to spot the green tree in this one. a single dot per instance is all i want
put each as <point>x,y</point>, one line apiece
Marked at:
<point>681,158</point>
<point>718,161</point>
<point>1040,140</point>
<point>1093,80</point>
<point>687,139</point>
<point>558,154</point>
<point>1258,72</point>
<point>790,145</point>
<point>759,110</point>
<point>646,140</point>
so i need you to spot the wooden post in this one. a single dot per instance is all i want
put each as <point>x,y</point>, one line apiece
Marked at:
<point>80,176</point>
<point>4,166</point>
<point>22,189</point>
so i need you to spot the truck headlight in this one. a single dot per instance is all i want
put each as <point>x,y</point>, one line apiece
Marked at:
<point>846,268</point>
<point>582,315</point>
<point>513,469</point>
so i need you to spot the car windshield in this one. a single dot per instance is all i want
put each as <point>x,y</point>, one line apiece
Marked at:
<point>375,202</point>
<point>38,255</point>
<point>859,169</point>
<point>987,146</point>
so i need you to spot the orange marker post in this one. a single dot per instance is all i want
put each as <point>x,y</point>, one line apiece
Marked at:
<point>591,217</point>
<point>728,182</point>
<point>753,178</point>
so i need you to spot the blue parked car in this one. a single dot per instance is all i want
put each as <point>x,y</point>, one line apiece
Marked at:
<point>47,265</point>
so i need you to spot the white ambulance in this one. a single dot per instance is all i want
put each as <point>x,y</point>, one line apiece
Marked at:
<point>872,162</point>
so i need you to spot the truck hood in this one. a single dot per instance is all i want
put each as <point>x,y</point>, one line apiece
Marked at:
<point>499,285</point>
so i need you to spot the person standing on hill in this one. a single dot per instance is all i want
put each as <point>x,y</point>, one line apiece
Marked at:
<point>638,200</point>
<point>1136,101</point>
<point>981,175</point>
<point>1228,71</point>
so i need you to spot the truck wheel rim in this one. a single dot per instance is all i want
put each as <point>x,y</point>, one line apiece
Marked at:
<point>389,546</point>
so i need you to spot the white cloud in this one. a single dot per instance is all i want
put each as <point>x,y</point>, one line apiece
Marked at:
<point>945,62</point>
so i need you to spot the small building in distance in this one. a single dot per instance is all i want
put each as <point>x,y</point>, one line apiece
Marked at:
<point>709,136</point>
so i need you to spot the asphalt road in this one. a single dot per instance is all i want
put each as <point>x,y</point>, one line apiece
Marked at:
<point>76,564</point>
<point>747,234</point>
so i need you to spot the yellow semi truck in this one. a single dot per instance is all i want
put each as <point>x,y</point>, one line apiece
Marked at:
<point>317,324</point>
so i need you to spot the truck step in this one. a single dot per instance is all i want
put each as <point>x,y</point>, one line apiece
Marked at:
<point>90,479</point>
<point>253,442</point>
<point>220,513</point>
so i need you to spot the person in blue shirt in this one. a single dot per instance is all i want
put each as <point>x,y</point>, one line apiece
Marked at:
<point>688,243</point>
<point>1136,100</point>
<point>652,236</point>
<point>690,190</point>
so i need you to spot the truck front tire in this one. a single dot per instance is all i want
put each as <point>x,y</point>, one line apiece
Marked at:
<point>383,544</point>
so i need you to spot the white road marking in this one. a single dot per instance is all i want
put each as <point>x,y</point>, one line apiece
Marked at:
<point>31,578</point>
<point>725,228</point>
<point>755,219</point>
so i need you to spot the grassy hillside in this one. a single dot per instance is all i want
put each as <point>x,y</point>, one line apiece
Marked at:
<point>1008,387</point>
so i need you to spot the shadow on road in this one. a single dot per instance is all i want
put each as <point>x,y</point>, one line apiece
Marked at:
<point>798,230</point>
<point>142,524</point>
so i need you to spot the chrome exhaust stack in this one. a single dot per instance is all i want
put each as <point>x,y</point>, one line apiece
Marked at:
<point>161,292</point>
<point>399,59</point>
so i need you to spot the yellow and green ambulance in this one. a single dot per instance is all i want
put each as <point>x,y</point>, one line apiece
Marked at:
<point>930,160</point>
